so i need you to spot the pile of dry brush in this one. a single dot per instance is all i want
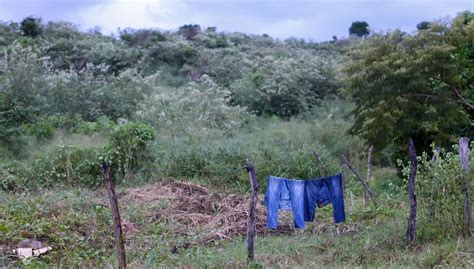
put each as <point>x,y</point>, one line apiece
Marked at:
<point>199,214</point>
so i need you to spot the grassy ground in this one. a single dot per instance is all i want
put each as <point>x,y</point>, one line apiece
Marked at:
<point>77,224</point>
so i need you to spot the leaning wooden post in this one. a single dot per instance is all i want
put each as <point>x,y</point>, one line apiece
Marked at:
<point>322,171</point>
<point>369,164</point>
<point>358,177</point>
<point>411,229</point>
<point>464,157</point>
<point>119,241</point>
<point>252,215</point>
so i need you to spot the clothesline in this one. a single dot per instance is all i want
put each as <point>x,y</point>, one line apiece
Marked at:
<point>208,171</point>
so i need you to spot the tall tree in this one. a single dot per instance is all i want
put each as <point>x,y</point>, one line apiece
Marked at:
<point>359,28</point>
<point>419,86</point>
<point>189,31</point>
<point>424,25</point>
<point>31,27</point>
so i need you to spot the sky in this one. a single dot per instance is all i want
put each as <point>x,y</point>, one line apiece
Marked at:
<point>316,20</point>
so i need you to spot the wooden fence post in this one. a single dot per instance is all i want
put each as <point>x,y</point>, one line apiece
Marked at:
<point>369,164</point>
<point>252,215</point>
<point>358,177</point>
<point>411,229</point>
<point>322,171</point>
<point>119,241</point>
<point>464,157</point>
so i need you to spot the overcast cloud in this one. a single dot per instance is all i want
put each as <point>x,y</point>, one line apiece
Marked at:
<point>316,20</point>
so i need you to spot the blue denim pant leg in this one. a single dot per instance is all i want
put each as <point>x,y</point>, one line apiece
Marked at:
<point>272,200</point>
<point>324,196</point>
<point>334,184</point>
<point>317,194</point>
<point>298,206</point>
<point>312,188</point>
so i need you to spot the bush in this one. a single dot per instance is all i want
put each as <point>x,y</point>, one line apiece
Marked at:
<point>192,109</point>
<point>439,197</point>
<point>286,86</point>
<point>65,166</point>
<point>273,146</point>
<point>31,27</point>
<point>128,150</point>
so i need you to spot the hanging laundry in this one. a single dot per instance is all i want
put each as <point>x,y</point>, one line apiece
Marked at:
<point>302,196</point>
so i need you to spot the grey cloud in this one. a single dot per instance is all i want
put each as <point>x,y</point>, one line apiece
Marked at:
<point>317,20</point>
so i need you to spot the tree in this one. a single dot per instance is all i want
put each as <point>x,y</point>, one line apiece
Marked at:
<point>142,37</point>
<point>419,86</point>
<point>31,27</point>
<point>189,31</point>
<point>424,25</point>
<point>359,28</point>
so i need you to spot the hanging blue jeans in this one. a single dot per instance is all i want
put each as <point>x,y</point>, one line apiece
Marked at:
<point>301,197</point>
<point>285,194</point>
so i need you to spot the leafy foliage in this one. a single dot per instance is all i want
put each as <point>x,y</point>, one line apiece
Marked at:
<point>128,148</point>
<point>192,108</point>
<point>439,197</point>
<point>286,87</point>
<point>31,27</point>
<point>197,103</point>
<point>416,86</point>
<point>189,31</point>
<point>65,166</point>
<point>423,25</point>
<point>359,28</point>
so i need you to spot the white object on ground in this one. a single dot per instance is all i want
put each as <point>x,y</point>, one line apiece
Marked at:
<point>25,253</point>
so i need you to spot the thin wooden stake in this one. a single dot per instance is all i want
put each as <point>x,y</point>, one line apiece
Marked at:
<point>252,220</point>
<point>364,184</point>
<point>464,157</point>
<point>432,204</point>
<point>119,241</point>
<point>322,171</point>
<point>369,164</point>
<point>411,229</point>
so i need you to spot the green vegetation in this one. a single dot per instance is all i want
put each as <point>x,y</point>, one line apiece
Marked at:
<point>76,222</point>
<point>418,86</point>
<point>195,103</point>
<point>359,28</point>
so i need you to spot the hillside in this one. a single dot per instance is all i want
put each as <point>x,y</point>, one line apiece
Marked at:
<point>176,114</point>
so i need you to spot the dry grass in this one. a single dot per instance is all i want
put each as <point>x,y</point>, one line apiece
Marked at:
<point>194,210</point>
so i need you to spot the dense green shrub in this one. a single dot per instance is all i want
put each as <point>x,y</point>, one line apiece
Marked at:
<point>286,86</point>
<point>128,150</point>
<point>439,197</point>
<point>101,125</point>
<point>66,165</point>
<point>192,108</point>
<point>274,147</point>
<point>141,37</point>
<point>31,27</point>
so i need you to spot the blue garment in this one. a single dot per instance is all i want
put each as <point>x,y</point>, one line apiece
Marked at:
<point>301,197</point>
